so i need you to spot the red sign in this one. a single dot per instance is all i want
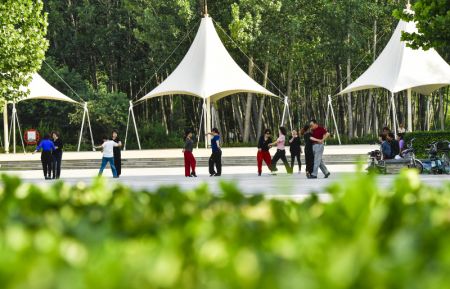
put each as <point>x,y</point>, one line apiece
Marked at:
<point>31,137</point>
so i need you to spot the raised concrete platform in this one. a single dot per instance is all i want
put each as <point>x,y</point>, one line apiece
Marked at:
<point>165,158</point>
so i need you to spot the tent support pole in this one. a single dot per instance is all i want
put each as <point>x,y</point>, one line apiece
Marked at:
<point>428,114</point>
<point>394,112</point>
<point>284,110</point>
<point>82,126</point>
<point>330,107</point>
<point>128,126</point>
<point>200,126</point>
<point>289,116</point>
<point>20,129</point>
<point>90,128</point>
<point>5,127</point>
<point>207,120</point>
<point>135,126</point>
<point>14,127</point>
<point>410,124</point>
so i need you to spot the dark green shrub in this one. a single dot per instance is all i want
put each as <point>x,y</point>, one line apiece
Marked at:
<point>424,138</point>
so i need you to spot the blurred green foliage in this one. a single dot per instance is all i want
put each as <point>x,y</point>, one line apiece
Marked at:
<point>109,236</point>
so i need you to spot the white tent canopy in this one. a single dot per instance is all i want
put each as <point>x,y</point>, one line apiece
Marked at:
<point>207,71</point>
<point>41,89</point>
<point>400,67</point>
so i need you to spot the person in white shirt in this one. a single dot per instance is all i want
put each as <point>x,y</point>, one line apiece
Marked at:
<point>108,155</point>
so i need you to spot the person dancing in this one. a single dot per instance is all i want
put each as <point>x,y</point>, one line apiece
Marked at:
<point>281,151</point>
<point>57,154</point>
<point>318,137</point>
<point>117,152</point>
<point>216,156</point>
<point>108,155</point>
<point>309,155</point>
<point>263,151</point>
<point>47,147</point>
<point>189,159</point>
<point>296,150</point>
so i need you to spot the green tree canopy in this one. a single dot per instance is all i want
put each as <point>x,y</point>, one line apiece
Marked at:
<point>22,44</point>
<point>433,22</point>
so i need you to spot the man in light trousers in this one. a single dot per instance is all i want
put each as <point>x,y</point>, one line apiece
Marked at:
<point>318,137</point>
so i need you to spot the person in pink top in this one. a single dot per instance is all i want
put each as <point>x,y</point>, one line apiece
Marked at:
<point>281,151</point>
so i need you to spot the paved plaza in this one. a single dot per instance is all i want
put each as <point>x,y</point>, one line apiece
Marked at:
<point>245,176</point>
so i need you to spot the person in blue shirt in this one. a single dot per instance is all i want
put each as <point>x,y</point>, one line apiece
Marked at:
<point>47,147</point>
<point>216,156</point>
<point>385,147</point>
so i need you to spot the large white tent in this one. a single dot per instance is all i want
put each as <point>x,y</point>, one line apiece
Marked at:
<point>400,67</point>
<point>41,89</point>
<point>207,71</point>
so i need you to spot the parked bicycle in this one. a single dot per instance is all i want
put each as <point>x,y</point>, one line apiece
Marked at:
<point>438,157</point>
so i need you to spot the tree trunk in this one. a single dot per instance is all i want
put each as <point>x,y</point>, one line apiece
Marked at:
<point>237,115</point>
<point>349,98</point>
<point>341,112</point>
<point>289,90</point>
<point>248,106</point>
<point>369,100</point>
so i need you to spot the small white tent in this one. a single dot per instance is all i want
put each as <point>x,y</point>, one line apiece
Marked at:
<point>41,89</point>
<point>400,67</point>
<point>207,71</point>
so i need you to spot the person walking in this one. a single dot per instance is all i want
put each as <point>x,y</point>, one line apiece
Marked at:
<point>318,136</point>
<point>117,152</point>
<point>296,150</point>
<point>309,155</point>
<point>263,151</point>
<point>189,159</point>
<point>47,147</point>
<point>216,156</point>
<point>57,154</point>
<point>108,155</point>
<point>281,151</point>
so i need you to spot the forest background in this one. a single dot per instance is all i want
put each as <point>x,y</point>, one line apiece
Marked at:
<point>114,51</point>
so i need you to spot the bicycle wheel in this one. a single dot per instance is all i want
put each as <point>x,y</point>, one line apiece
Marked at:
<point>418,166</point>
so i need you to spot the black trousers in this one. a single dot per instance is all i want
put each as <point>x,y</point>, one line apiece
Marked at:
<point>295,155</point>
<point>280,155</point>
<point>118,163</point>
<point>309,159</point>
<point>57,157</point>
<point>215,160</point>
<point>47,160</point>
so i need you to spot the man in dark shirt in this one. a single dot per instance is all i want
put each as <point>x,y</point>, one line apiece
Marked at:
<point>216,156</point>
<point>318,137</point>
<point>395,146</point>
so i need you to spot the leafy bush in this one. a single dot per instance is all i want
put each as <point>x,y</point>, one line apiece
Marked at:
<point>103,236</point>
<point>356,140</point>
<point>424,138</point>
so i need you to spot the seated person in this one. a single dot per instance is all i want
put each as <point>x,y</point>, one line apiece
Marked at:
<point>386,150</point>
<point>395,147</point>
<point>386,130</point>
<point>401,142</point>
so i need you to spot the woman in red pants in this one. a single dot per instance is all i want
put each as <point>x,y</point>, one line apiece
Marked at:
<point>189,160</point>
<point>263,151</point>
